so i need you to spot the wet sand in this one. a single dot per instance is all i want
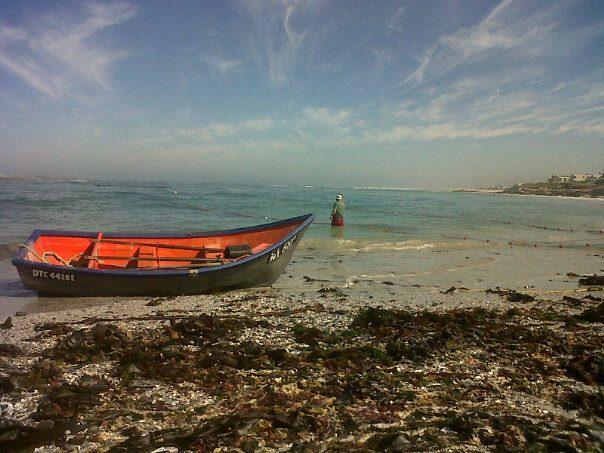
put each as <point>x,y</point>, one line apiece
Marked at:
<point>481,347</point>
<point>360,268</point>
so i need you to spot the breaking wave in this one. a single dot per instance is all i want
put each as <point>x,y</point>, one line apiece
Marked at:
<point>366,246</point>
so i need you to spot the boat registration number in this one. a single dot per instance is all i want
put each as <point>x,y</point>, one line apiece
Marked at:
<point>280,250</point>
<point>53,275</point>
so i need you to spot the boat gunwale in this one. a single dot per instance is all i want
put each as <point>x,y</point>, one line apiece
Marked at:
<point>20,261</point>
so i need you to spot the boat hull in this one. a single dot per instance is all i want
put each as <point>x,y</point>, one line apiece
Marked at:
<point>262,269</point>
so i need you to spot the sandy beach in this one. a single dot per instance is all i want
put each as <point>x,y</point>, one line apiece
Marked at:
<point>268,370</point>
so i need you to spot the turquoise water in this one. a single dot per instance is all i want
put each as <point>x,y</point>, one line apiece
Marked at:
<point>404,236</point>
<point>382,215</point>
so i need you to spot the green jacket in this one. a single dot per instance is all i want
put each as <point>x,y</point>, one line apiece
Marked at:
<point>338,208</point>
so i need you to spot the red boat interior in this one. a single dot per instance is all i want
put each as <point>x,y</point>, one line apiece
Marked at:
<point>152,253</point>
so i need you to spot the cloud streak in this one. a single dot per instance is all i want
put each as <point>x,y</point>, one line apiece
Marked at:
<point>58,56</point>
<point>217,133</point>
<point>489,107</point>
<point>275,34</point>
<point>513,31</point>
<point>326,117</point>
<point>222,65</point>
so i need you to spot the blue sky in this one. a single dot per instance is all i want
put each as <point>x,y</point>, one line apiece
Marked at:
<point>390,93</point>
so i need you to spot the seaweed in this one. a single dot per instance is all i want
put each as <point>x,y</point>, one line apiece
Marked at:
<point>382,380</point>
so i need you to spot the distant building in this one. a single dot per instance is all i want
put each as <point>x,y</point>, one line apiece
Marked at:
<point>584,177</point>
<point>560,178</point>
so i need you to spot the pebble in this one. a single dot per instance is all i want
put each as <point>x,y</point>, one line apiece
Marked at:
<point>45,425</point>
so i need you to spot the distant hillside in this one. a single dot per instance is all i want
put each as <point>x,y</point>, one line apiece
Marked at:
<point>566,189</point>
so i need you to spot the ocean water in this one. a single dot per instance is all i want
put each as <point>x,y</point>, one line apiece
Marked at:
<point>405,237</point>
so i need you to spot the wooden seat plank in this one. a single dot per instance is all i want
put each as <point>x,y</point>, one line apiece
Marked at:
<point>143,258</point>
<point>159,245</point>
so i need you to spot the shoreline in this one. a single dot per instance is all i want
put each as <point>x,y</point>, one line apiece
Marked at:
<point>564,197</point>
<point>392,270</point>
<point>265,369</point>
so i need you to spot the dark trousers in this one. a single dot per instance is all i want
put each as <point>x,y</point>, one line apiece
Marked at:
<point>337,220</point>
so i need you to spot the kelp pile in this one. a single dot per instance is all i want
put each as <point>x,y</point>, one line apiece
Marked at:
<point>387,380</point>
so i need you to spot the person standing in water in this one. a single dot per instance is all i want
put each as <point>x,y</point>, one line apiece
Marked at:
<point>337,213</point>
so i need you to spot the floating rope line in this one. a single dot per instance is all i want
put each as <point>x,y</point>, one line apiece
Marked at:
<point>567,230</point>
<point>589,242</point>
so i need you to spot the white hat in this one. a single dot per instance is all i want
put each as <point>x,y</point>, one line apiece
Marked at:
<point>338,197</point>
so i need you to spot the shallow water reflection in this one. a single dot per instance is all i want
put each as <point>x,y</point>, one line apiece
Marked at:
<point>337,232</point>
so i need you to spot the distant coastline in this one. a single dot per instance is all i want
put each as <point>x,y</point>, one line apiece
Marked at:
<point>572,190</point>
<point>38,178</point>
<point>556,186</point>
<point>504,192</point>
<point>479,190</point>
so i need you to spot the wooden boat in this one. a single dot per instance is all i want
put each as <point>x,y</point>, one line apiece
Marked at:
<point>75,263</point>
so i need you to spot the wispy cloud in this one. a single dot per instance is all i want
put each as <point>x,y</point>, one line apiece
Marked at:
<point>394,22</point>
<point>494,106</point>
<point>58,55</point>
<point>473,108</point>
<point>275,34</point>
<point>513,30</point>
<point>496,78</point>
<point>325,116</point>
<point>214,132</point>
<point>261,124</point>
<point>417,76</point>
<point>222,65</point>
<point>440,131</point>
<point>324,124</point>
